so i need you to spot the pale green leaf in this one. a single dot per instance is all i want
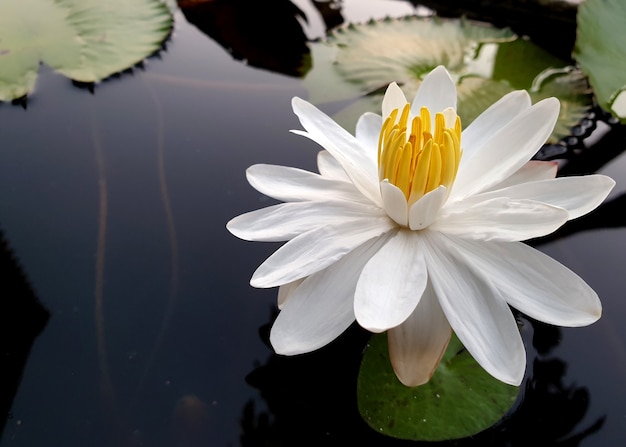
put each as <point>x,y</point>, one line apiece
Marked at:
<point>86,40</point>
<point>357,62</point>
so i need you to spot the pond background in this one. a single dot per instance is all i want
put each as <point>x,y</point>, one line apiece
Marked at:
<point>114,199</point>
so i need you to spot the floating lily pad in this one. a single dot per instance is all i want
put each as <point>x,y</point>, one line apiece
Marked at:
<point>601,51</point>
<point>357,62</point>
<point>86,40</point>
<point>460,400</point>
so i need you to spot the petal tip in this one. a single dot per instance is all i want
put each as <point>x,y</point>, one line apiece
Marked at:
<point>368,325</point>
<point>441,70</point>
<point>297,101</point>
<point>410,377</point>
<point>258,282</point>
<point>552,104</point>
<point>281,345</point>
<point>512,377</point>
<point>230,226</point>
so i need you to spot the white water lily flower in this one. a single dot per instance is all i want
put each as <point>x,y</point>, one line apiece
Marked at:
<point>413,226</point>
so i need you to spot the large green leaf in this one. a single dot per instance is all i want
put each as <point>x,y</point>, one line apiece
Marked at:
<point>601,51</point>
<point>86,40</point>
<point>357,62</point>
<point>460,400</point>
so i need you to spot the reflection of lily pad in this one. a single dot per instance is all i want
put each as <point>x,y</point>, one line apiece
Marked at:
<point>86,40</point>
<point>357,62</point>
<point>280,47</point>
<point>460,400</point>
<point>601,51</point>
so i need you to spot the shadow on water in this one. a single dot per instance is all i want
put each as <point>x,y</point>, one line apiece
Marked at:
<point>22,319</point>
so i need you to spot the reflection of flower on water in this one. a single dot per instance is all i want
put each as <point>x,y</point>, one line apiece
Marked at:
<point>310,400</point>
<point>545,395</point>
<point>419,240</point>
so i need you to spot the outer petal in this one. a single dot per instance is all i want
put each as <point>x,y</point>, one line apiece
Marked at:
<point>293,185</point>
<point>394,202</point>
<point>285,221</point>
<point>532,171</point>
<point>533,282</point>
<point>478,314</point>
<point>315,250</point>
<point>394,99</point>
<point>437,92</point>
<point>488,123</point>
<point>329,167</point>
<point>367,132</point>
<point>286,290</point>
<point>501,219</point>
<point>424,212</point>
<point>417,345</point>
<point>506,151</point>
<point>321,308</point>
<point>391,283</point>
<point>346,149</point>
<point>578,195</point>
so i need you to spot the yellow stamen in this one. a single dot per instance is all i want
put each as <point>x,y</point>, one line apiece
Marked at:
<point>416,159</point>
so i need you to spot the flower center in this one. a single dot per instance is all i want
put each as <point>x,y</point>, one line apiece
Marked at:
<point>417,159</point>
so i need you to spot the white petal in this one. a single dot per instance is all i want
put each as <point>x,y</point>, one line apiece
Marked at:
<point>329,167</point>
<point>578,195</point>
<point>286,290</point>
<point>367,132</point>
<point>424,212</point>
<point>478,314</point>
<point>359,166</point>
<point>437,92</point>
<point>501,219</point>
<point>533,282</point>
<point>394,99</point>
<point>492,120</point>
<point>506,151</point>
<point>532,171</point>
<point>394,202</point>
<point>292,185</point>
<point>417,345</point>
<point>321,308</point>
<point>316,249</point>
<point>285,221</point>
<point>391,283</point>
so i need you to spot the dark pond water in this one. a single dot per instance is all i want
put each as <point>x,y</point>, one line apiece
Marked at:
<point>114,203</point>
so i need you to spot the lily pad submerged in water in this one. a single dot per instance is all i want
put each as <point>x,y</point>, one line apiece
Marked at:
<point>460,400</point>
<point>86,40</point>
<point>359,61</point>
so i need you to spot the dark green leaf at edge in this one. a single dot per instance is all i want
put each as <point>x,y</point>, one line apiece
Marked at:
<point>460,400</point>
<point>600,49</point>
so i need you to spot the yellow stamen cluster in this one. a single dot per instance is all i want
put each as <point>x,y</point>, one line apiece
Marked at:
<point>417,159</point>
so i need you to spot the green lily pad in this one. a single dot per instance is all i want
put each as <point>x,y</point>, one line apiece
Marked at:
<point>460,400</point>
<point>86,40</point>
<point>601,51</point>
<point>356,63</point>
